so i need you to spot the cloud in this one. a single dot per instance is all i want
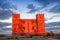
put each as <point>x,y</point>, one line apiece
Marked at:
<point>3,24</point>
<point>43,2</point>
<point>6,33</point>
<point>55,9</point>
<point>47,4</point>
<point>46,19</point>
<point>7,29</point>
<point>5,14</point>
<point>31,6</point>
<point>5,9</point>
<point>7,4</point>
<point>55,28</point>
<point>33,10</point>
<point>3,29</point>
<point>54,16</point>
<point>52,24</point>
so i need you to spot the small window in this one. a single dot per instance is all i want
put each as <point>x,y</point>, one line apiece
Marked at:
<point>23,28</point>
<point>40,17</point>
<point>32,28</point>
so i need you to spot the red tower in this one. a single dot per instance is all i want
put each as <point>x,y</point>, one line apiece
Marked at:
<point>40,24</point>
<point>15,24</point>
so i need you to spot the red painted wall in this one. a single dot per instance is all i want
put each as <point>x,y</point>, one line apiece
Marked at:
<point>28,26</point>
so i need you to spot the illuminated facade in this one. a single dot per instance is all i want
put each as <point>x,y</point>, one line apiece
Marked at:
<point>28,26</point>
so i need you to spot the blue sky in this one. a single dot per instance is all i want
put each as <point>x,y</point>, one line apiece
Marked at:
<point>28,9</point>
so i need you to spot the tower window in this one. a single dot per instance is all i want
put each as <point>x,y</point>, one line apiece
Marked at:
<point>40,17</point>
<point>23,28</point>
<point>33,28</point>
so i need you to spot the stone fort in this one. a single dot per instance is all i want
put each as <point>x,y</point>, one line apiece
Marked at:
<point>28,26</point>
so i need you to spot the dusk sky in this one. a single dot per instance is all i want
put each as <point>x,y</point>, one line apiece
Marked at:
<point>28,10</point>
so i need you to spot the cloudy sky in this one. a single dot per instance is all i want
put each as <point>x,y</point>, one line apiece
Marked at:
<point>28,9</point>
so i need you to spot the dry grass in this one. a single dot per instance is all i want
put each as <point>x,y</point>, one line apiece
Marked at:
<point>24,38</point>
